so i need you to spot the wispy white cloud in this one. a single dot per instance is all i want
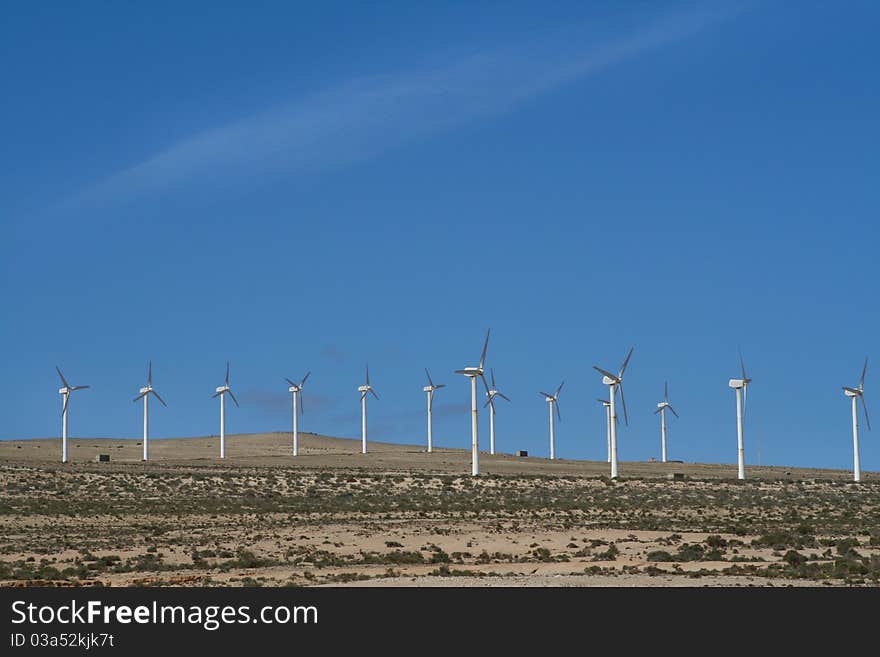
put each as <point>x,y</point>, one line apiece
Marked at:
<point>362,118</point>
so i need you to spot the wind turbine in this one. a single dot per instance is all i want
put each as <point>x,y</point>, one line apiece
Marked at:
<point>296,389</point>
<point>613,382</point>
<point>364,389</point>
<point>473,373</point>
<point>661,408</point>
<point>221,392</point>
<point>492,393</point>
<point>856,394</point>
<point>741,386</point>
<point>607,405</point>
<point>145,394</point>
<point>429,389</point>
<point>65,391</point>
<point>553,400</point>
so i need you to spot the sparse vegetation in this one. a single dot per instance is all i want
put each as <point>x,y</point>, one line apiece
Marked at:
<point>254,526</point>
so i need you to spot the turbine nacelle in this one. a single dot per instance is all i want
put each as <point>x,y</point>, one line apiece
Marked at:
<point>608,381</point>
<point>219,390</point>
<point>850,392</point>
<point>364,388</point>
<point>739,383</point>
<point>146,390</point>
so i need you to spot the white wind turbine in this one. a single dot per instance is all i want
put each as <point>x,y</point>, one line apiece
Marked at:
<point>661,408</point>
<point>607,405</point>
<point>364,389</point>
<point>222,391</point>
<point>296,390</point>
<point>492,393</point>
<point>614,382</point>
<point>473,373</point>
<point>145,394</point>
<point>553,400</point>
<point>741,387</point>
<point>856,394</point>
<point>65,391</point>
<point>429,389</point>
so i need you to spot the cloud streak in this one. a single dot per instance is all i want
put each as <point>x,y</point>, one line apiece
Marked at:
<point>363,118</point>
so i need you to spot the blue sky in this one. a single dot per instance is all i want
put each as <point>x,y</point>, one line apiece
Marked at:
<point>297,187</point>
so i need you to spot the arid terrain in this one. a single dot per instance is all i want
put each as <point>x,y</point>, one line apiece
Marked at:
<point>401,517</point>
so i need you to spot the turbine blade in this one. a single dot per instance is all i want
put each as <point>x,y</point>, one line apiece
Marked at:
<point>666,392</point>
<point>428,374</point>
<point>233,397</point>
<point>605,372</point>
<point>227,372</point>
<point>66,400</point>
<point>63,380</point>
<point>485,347</point>
<point>368,374</point>
<point>745,398</point>
<point>374,393</point>
<point>299,398</point>
<point>292,384</point>
<point>503,396</point>
<point>742,366</point>
<point>558,414</point>
<point>486,386</point>
<point>150,374</point>
<point>139,396</point>
<point>673,411</point>
<point>363,394</point>
<point>492,374</point>
<point>303,382</point>
<point>623,403</point>
<point>546,394</point>
<point>216,394</point>
<point>625,363</point>
<point>864,371</point>
<point>79,387</point>
<point>657,411</point>
<point>463,372</point>
<point>437,387</point>
<point>603,401</point>
<point>430,400</point>
<point>159,398</point>
<point>488,401</point>
<point>865,409</point>
<point>559,389</point>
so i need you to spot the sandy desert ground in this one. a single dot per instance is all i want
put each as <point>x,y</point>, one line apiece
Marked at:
<point>401,517</point>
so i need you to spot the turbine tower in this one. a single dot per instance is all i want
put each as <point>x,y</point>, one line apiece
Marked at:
<point>492,393</point>
<point>661,408</point>
<point>741,386</point>
<point>614,382</point>
<point>429,389</point>
<point>296,389</point>
<point>221,392</point>
<point>607,405</point>
<point>473,373</point>
<point>364,389</point>
<point>553,400</point>
<point>145,394</point>
<point>856,394</point>
<point>65,391</point>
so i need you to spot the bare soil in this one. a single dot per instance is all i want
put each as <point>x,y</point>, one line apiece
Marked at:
<point>398,516</point>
